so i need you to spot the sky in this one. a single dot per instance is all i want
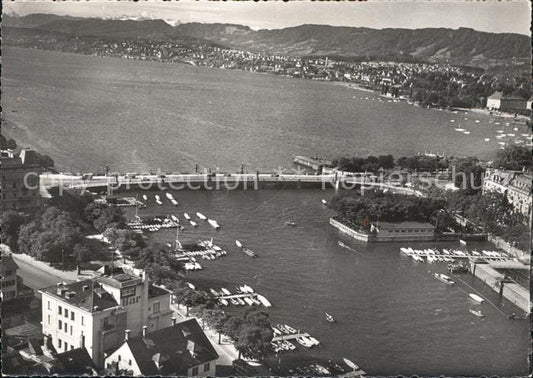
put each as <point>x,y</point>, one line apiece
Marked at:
<point>491,15</point>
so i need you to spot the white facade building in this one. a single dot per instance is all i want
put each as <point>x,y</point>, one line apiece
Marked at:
<point>95,313</point>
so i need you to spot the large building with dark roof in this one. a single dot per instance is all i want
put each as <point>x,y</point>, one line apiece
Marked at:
<point>179,350</point>
<point>96,312</point>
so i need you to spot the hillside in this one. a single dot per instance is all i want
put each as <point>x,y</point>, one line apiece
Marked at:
<point>462,46</point>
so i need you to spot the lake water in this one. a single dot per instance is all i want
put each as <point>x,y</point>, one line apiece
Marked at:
<point>88,111</point>
<point>393,316</point>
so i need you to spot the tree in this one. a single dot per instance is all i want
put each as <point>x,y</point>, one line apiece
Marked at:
<point>251,331</point>
<point>103,216</point>
<point>468,175</point>
<point>127,242</point>
<point>216,319</point>
<point>50,237</point>
<point>10,224</point>
<point>514,157</point>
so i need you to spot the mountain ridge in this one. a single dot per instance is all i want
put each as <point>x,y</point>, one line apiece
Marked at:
<point>463,46</point>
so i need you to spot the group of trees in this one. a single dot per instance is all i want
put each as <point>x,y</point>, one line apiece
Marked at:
<point>249,329</point>
<point>493,212</point>
<point>374,164</point>
<point>423,163</point>
<point>514,158</point>
<point>360,164</point>
<point>52,236</point>
<point>103,217</point>
<point>359,210</point>
<point>444,89</point>
<point>468,175</point>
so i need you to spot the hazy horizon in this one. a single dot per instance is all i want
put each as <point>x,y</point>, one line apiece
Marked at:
<point>490,16</point>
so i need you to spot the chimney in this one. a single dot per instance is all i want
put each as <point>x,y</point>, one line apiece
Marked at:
<point>144,330</point>
<point>173,320</point>
<point>126,334</point>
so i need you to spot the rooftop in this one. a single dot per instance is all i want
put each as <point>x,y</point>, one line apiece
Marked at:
<point>156,291</point>
<point>87,295</point>
<point>8,263</point>
<point>175,349</point>
<point>405,225</point>
<point>74,362</point>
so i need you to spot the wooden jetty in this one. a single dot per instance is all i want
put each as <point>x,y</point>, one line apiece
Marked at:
<point>292,336</point>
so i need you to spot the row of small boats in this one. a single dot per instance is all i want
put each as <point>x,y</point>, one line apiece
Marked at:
<point>449,255</point>
<point>244,295</point>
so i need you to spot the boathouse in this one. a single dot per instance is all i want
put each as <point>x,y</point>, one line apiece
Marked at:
<point>402,231</point>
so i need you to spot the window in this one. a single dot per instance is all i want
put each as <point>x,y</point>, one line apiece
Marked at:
<point>49,305</point>
<point>66,313</point>
<point>127,291</point>
<point>129,362</point>
<point>59,310</point>
<point>206,367</point>
<point>66,327</point>
<point>156,307</point>
<point>71,347</point>
<point>59,324</point>
<point>48,319</point>
<point>71,315</point>
<point>119,358</point>
<point>59,343</point>
<point>71,330</point>
<point>82,322</point>
<point>195,371</point>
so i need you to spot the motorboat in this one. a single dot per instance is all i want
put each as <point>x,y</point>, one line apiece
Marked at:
<point>313,340</point>
<point>477,313</point>
<point>324,201</point>
<point>444,278</point>
<point>234,301</point>
<point>225,291</point>
<point>169,196</point>
<point>174,202</point>
<point>476,298</point>
<point>241,302</point>
<point>186,216</point>
<point>276,331</point>
<point>304,342</point>
<point>282,328</point>
<point>174,218</point>
<point>249,252</point>
<point>145,197</point>
<point>351,364</point>
<point>238,243</point>
<point>157,198</point>
<point>223,302</point>
<point>214,292</point>
<point>247,289</point>
<point>290,329</point>
<point>330,318</point>
<point>214,224</point>
<point>290,223</point>
<point>193,223</point>
<point>263,301</point>
<point>191,286</point>
<point>201,216</point>
<point>248,301</point>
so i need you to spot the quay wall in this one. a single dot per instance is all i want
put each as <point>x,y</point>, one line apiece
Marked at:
<point>511,291</point>
<point>350,232</point>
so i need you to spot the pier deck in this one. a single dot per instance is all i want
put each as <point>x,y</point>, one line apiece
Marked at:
<point>292,336</point>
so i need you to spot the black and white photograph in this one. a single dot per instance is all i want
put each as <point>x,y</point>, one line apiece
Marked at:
<point>266,188</point>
